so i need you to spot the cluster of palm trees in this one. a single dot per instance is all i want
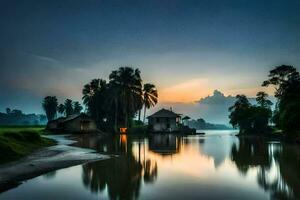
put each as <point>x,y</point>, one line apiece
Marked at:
<point>115,103</point>
<point>51,107</point>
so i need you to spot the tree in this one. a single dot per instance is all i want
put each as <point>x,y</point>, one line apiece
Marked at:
<point>50,106</point>
<point>286,80</point>
<point>150,97</point>
<point>61,109</point>
<point>127,83</point>
<point>282,77</point>
<point>68,107</point>
<point>95,98</point>
<point>240,114</point>
<point>261,99</point>
<point>8,110</point>
<point>77,107</point>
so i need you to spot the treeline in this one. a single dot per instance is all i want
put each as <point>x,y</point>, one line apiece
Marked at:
<point>52,108</point>
<point>113,103</point>
<point>201,124</point>
<point>17,117</point>
<point>256,118</point>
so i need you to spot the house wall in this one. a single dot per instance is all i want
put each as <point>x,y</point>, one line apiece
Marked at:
<point>52,125</point>
<point>162,124</point>
<point>75,125</point>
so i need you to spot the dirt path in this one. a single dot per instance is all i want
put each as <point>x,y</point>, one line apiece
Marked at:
<point>45,160</point>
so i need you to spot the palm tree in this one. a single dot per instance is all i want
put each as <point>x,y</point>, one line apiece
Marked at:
<point>68,107</point>
<point>128,84</point>
<point>50,106</point>
<point>61,109</point>
<point>94,97</point>
<point>77,107</point>
<point>150,97</point>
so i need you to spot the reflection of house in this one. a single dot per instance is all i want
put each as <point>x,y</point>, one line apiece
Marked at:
<point>77,123</point>
<point>164,144</point>
<point>164,120</point>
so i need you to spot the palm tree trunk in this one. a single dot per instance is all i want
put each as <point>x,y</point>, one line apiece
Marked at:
<point>140,114</point>
<point>144,114</point>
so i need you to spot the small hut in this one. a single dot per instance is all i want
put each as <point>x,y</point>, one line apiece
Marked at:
<point>77,123</point>
<point>164,121</point>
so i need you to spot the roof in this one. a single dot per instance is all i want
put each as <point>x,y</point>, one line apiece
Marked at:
<point>70,118</point>
<point>75,116</point>
<point>164,113</point>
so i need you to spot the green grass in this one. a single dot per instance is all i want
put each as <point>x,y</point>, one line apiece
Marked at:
<point>19,141</point>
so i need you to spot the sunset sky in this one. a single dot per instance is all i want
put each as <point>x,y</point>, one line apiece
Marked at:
<point>187,48</point>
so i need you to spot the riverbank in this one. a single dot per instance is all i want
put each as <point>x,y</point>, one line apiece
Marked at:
<point>45,160</point>
<point>17,142</point>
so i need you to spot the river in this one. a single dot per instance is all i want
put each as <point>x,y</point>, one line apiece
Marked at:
<point>217,165</point>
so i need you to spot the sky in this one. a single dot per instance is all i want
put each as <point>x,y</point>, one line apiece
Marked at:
<point>186,48</point>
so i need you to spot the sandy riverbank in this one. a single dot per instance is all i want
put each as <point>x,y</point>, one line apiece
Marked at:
<point>46,160</point>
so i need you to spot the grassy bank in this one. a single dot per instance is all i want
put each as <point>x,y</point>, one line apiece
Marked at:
<point>19,141</point>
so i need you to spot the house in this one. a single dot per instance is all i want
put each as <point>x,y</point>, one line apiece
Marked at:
<point>164,144</point>
<point>77,123</point>
<point>164,121</point>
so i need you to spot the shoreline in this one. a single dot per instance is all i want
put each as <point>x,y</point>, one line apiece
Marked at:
<point>59,156</point>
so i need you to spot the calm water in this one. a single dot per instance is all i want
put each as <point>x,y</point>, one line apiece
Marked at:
<point>215,166</point>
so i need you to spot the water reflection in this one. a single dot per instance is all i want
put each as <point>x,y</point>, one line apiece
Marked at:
<point>277,165</point>
<point>164,144</point>
<point>214,166</point>
<point>121,175</point>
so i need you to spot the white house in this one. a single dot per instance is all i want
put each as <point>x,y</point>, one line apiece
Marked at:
<point>164,121</point>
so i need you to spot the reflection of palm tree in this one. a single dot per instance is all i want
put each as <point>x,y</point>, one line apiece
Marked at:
<point>150,172</point>
<point>121,175</point>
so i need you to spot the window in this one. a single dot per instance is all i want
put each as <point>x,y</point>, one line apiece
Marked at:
<point>157,120</point>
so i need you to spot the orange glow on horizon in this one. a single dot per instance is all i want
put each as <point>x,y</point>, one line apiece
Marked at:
<point>185,92</point>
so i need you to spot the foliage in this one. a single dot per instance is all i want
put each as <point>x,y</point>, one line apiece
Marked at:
<point>150,97</point>
<point>17,117</point>
<point>50,107</point>
<point>77,107</point>
<point>115,104</point>
<point>251,118</point>
<point>68,107</point>
<point>61,109</point>
<point>17,142</point>
<point>286,80</point>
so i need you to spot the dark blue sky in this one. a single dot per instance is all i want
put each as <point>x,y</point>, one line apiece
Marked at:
<point>54,47</point>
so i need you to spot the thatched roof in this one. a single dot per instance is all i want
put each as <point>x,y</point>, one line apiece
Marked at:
<point>164,113</point>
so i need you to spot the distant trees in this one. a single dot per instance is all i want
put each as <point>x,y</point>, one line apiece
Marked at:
<point>50,106</point>
<point>17,117</point>
<point>115,103</point>
<point>251,118</point>
<point>286,80</point>
<point>8,110</point>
